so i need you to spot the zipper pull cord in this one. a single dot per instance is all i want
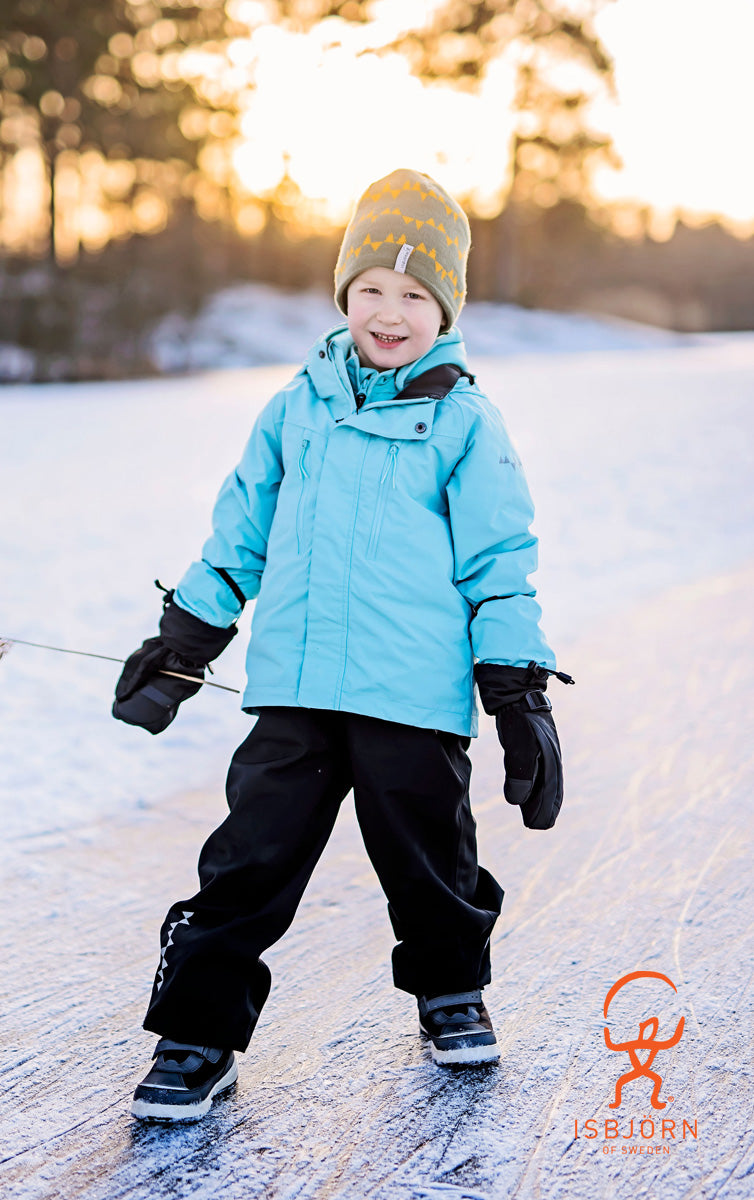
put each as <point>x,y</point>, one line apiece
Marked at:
<point>391,464</point>
<point>301,464</point>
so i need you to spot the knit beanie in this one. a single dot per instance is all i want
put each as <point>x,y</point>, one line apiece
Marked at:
<point>408,223</point>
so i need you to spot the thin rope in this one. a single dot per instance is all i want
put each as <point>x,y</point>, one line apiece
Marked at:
<point>60,650</point>
<point>109,658</point>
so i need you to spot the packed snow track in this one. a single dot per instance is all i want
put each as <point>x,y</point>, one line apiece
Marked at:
<point>641,468</point>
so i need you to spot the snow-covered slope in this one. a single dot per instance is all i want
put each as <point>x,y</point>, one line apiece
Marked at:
<point>641,465</point>
<point>253,325</point>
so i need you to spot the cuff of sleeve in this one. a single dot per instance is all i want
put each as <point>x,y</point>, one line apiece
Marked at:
<point>204,593</point>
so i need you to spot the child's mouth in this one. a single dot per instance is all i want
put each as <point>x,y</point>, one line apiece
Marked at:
<point>387,339</point>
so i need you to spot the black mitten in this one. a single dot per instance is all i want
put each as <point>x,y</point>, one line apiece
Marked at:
<point>144,696</point>
<point>533,765</point>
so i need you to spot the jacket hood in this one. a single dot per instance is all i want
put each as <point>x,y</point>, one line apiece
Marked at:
<point>326,361</point>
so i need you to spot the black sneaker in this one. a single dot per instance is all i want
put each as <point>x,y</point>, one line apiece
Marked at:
<point>459,1029</point>
<point>183,1080</point>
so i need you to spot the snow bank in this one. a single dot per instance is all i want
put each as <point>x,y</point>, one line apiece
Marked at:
<point>16,363</point>
<point>252,324</point>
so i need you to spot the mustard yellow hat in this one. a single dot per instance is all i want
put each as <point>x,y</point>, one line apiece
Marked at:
<point>408,223</point>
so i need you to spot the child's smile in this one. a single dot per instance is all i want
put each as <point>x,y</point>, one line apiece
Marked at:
<point>385,342</point>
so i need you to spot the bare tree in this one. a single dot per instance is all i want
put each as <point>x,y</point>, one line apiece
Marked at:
<point>108,75</point>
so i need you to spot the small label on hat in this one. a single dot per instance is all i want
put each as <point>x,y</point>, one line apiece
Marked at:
<point>402,258</point>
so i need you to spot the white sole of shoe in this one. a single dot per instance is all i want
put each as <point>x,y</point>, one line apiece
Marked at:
<point>150,1110</point>
<point>461,1055</point>
<point>465,1055</point>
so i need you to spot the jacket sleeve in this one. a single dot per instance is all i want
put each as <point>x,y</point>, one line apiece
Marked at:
<point>233,558</point>
<point>490,512</point>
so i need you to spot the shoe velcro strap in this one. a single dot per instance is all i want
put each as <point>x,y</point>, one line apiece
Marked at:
<point>165,1045</point>
<point>450,1001</point>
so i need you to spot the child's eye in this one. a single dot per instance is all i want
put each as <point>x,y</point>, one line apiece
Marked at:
<point>415,296</point>
<point>372,289</point>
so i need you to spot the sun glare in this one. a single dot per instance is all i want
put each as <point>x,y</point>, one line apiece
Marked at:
<point>335,116</point>
<point>335,121</point>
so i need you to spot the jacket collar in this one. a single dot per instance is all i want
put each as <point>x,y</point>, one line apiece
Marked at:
<point>326,366</point>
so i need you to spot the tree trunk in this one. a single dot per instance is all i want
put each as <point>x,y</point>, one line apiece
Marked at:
<point>509,255</point>
<point>508,251</point>
<point>51,157</point>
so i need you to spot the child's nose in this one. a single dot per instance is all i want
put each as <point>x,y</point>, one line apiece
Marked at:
<point>389,311</point>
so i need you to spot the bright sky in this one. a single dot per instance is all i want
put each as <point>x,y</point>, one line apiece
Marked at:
<point>682,124</point>
<point>686,88</point>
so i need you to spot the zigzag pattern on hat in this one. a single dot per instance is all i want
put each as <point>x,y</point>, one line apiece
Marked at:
<point>369,243</point>
<point>415,186</point>
<point>451,241</point>
<point>373,213</point>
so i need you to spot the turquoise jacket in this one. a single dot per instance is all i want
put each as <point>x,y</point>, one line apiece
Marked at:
<point>370,538</point>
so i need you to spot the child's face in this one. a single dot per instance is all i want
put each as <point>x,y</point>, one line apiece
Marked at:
<point>392,318</point>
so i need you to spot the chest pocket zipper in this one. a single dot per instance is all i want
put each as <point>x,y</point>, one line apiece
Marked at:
<point>303,472</point>
<point>388,474</point>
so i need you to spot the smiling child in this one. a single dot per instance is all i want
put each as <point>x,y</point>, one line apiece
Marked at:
<point>379,517</point>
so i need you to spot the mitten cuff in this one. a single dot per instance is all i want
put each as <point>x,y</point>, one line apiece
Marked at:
<point>192,638</point>
<point>500,685</point>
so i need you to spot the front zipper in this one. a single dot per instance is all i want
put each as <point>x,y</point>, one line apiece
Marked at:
<point>303,472</point>
<point>388,473</point>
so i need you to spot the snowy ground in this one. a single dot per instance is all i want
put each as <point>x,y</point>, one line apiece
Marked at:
<point>641,466</point>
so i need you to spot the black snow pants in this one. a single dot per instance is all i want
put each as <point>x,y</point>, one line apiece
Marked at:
<point>285,785</point>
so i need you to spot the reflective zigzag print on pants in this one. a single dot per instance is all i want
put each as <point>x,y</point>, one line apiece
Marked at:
<point>168,943</point>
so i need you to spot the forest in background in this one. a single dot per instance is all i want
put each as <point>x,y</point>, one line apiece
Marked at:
<point>134,109</point>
